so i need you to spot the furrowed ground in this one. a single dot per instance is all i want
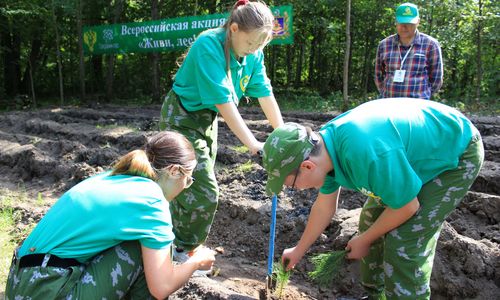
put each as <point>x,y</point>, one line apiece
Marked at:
<point>45,152</point>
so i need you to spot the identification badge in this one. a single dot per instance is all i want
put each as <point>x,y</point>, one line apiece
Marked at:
<point>399,76</point>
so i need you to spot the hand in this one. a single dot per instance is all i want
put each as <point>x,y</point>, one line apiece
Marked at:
<point>358,247</point>
<point>204,258</point>
<point>293,256</point>
<point>256,148</point>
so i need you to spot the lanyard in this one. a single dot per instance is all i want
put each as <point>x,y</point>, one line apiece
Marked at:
<point>406,55</point>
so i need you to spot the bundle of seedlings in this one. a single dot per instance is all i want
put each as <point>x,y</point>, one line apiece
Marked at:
<point>281,277</point>
<point>327,267</point>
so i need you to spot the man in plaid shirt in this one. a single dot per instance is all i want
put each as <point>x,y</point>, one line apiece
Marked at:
<point>409,63</point>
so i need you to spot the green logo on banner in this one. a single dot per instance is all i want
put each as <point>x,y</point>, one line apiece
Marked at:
<point>170,34</point>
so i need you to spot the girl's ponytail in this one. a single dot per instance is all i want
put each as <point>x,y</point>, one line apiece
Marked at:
<point>161,151</point>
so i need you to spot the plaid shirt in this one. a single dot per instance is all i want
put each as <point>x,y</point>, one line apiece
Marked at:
<point>423,65</point>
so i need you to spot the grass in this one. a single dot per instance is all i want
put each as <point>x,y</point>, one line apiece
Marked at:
<point>282,277</point>
<point>327,267</point>
<point>10,234</point>
<point>289,99</point>
<point>7,241</point>
<point>246,167</point>
<point>7,245</point>
<point>308,100</point>
<point>240,149</point>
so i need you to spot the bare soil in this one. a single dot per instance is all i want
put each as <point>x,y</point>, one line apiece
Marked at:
<point>48,151</point>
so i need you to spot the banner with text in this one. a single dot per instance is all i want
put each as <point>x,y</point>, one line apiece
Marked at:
<point>170,34</point>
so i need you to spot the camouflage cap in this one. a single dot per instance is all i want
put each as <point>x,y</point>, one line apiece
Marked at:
<point>285,149</point>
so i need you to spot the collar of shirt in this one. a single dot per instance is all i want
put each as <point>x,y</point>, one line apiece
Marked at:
<point>235,63</point>
<point>416,40</point>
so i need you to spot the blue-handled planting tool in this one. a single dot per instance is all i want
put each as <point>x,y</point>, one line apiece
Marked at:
<point>270,258</point>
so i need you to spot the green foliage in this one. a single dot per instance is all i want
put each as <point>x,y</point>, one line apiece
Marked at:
<point>240,149</point>
<point>246,167</point>
<point>307,100</point>
<point>327,267</point>
<point>6,243</point>
<point>281,276</point>
<point>12,231</point>
<point>307,75</point>
<point>7,240</point>
<point>39,199</point>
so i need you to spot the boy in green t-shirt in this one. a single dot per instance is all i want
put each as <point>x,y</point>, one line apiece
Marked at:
<point>414,159</point>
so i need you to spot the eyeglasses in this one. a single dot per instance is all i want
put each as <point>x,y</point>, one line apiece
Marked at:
<point>295,178</point>
<point>189,181</point>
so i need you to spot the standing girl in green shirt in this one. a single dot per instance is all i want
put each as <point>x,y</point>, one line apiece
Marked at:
<point>110,236</point>
<point>222,65</point>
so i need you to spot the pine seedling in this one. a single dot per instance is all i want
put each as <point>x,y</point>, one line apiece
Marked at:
<point>327,267</point>
<point>281,277</point>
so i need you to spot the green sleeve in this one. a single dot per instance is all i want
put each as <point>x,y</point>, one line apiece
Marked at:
<point>259,85</point>
<point>153,226</point>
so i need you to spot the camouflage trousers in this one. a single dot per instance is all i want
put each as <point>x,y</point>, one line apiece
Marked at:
<point>116,273</point>
<point>194,209</point>
<point>399,265</point>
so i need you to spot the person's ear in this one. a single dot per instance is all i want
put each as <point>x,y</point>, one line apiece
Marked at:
<point>308,165</point>
<point>173,170</point>
<point>233,27</point>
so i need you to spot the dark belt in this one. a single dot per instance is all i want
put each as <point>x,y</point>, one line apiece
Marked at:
<point>36,260</point>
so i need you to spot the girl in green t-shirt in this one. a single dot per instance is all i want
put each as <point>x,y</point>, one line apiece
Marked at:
<point>222,65</point>
<point>111,235</point>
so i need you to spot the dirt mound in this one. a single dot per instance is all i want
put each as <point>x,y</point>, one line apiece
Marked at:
<point>49,151</point>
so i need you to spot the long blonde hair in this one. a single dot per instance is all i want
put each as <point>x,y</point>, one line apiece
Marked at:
<point>161,151</point>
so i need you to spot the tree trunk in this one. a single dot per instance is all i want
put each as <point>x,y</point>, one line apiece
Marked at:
<point>155,57</point>
<point>117,11</point>
<point>80,51</point>
<point>366,65</point>
<point>272,64</point>
<point>335,78</point>
<point>479,60</point>
<point>10,41</point>
<point>321,65</point>
<point>347,55</point>
<point>298,70</point>
<point>212,6</point>
<point>312,55</point>
<point>58,53</point>
<point>350,64</point>
<point>96,74</point>
<point>430,18</point>
<point>34,56</point>
<point>289,63</point>
<point>33,97</point>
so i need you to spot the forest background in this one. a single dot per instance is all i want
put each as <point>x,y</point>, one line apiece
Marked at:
<point>329,66</point>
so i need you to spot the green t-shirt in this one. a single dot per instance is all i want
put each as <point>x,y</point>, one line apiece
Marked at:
<point>101,212</point>
<point>202,80</point>
<point>389,148</point>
